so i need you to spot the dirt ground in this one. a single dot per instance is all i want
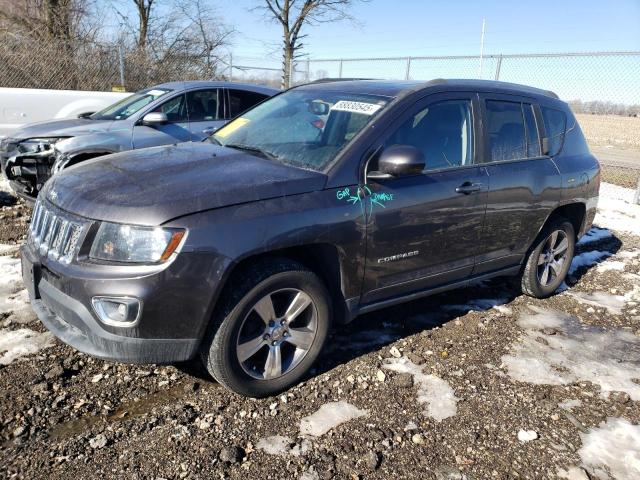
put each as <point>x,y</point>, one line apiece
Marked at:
<point>479,383</point>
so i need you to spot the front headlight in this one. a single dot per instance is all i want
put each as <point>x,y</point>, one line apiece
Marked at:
<point>131,244</point>
<point>37,145</point>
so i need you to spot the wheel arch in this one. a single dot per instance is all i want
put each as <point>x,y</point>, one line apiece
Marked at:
<point>85,155</point>
<point>321,258</point>
<point>575,212</point>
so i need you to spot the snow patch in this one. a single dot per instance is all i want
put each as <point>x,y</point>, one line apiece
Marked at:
<point>527,435</point>
<point>13,297</point>
<point>433,391</point>
<point>574,352</point>
<point>503,309</point>
<point>614,446</point>
<point>613,303</point>
<point>611,265</point>
<point>477,305</point>
<point>569,404</point>
<point>19,343</point>
<point>280,445</point>
<point>329,416</point>
<point>628,254</point>
<point>8,249</point>
<point>616,210</point>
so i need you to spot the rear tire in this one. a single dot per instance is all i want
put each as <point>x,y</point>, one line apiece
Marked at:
<point>548,263</point>
<point>269,330</point>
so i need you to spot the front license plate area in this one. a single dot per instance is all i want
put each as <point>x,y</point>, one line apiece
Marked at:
<point>31,274</point>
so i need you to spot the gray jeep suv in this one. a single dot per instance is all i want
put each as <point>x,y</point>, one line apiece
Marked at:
<point>160,115</point>
<point>324,202</point>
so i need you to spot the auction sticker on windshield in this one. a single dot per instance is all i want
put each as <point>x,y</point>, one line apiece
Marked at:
<point>156,93</point>
<point>356,107</point>
<point>229,128</point>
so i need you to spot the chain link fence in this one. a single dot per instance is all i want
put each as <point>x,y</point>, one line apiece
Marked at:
<point>602,87</point>
<point>612,77</point>
<point>27,63</point>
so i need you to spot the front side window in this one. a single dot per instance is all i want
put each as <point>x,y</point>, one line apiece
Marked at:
<point>175,109</point>
<point>130,105</point>
<point>203,105</point>
<point>304,128</point>
<point>443,132</point>
<point>555,124</point>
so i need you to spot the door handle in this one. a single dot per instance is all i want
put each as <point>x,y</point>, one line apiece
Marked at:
<point>209,130</point>
<point>467,187</point>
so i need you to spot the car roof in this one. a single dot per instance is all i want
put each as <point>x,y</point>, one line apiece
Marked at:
<point>189,84</point>
<point>397,88</point>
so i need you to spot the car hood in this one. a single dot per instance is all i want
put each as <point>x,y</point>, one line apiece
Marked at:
<point>70,127</point>
<point>153,185</point>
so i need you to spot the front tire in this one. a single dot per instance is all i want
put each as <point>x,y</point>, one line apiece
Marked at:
<point>548,262</point>
<point>271,327</point>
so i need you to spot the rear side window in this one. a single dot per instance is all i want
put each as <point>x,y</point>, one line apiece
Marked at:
<point>443,131</point>
<point>241,101</point>
<point>555,124</point>
<point>507,136</point>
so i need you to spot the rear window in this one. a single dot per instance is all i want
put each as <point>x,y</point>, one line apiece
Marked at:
<point>555,125</point>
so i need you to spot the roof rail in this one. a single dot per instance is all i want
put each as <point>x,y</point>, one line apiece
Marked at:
<point>329,80</point>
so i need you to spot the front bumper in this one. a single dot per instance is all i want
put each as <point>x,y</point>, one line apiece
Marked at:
<point>169,330</point>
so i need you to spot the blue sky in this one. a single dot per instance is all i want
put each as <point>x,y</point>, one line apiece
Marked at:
<point>430,27</point>
<point>400,28</point>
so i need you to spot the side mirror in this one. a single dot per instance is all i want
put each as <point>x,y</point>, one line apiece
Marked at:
<point>399,161</point>
<point>154,118</point>
<point>545,146</point>
<point>85,114</point>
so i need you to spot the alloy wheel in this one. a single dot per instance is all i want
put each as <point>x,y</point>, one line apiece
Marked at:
<point>277,333</point>
<point>553,257</point>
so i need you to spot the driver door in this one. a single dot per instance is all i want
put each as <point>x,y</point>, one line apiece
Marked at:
<point>174,131</point>
<point>423,230</point>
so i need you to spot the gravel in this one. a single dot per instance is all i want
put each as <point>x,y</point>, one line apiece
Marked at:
<point>66,415</point>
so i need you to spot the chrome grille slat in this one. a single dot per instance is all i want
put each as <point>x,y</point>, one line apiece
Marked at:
<point>54,233</point>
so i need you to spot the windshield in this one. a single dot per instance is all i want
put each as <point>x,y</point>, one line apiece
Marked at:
<point>304,128</point>
<point>130,105</point>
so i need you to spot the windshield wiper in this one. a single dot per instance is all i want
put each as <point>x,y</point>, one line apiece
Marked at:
<point>249,148</point>
<point>213,140</point>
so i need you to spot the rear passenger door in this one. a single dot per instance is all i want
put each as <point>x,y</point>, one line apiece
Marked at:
<point>206,112</point>
<point>524,185</point>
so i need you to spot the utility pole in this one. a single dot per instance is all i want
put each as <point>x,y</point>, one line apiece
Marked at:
<point>482,46</point>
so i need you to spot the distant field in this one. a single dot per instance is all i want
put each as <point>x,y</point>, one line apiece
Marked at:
<point>611,130</point>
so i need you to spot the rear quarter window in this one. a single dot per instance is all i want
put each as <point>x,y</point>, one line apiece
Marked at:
<point>555,125</point>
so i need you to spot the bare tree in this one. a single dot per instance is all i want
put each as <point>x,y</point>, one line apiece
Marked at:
<point>295,14</point>
<point>169,39</point>
<point>144,8</point>
<point>44,19</point>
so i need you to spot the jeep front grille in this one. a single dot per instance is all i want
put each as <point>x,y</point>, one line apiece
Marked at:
<point>55,234</point>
